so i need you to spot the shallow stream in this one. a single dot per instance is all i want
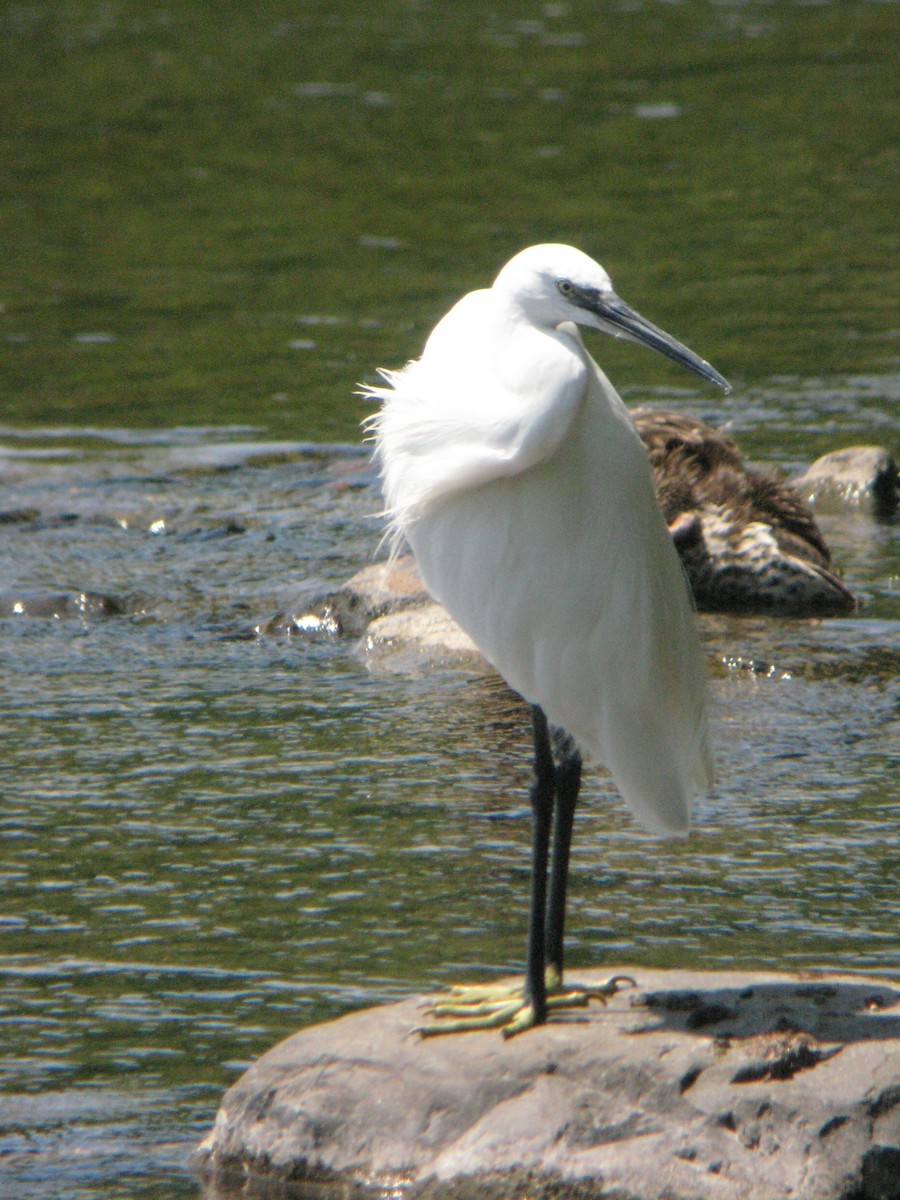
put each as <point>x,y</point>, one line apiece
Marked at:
<point>216,219</point>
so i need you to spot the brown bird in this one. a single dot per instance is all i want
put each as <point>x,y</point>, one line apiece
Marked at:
<point>747,541</point>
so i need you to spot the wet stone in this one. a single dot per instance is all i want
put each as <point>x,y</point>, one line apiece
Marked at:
<point>863,477</point>
<point>373,592</point>
<point>630,1100</point>
<point>61,606</point>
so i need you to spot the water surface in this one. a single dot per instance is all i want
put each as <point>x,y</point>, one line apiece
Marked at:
<point>215,212</point>
<point>212,837</point>
<point>217,220</point>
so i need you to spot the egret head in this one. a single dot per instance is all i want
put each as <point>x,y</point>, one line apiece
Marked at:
<point>556,283</point>
<point>547,283</point>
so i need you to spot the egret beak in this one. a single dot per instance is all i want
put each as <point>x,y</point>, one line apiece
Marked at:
<point>617,318</point>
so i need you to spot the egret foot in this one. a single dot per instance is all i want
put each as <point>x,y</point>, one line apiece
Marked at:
<point>480,1007</point>
<point>601,992</point>
<point>492,1006</point>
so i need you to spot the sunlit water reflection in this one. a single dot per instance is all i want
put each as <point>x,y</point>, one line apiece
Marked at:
<point>212,837</point>
<point>220,221</point>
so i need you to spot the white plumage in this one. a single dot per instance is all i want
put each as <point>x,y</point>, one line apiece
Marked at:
<point>512,468</point>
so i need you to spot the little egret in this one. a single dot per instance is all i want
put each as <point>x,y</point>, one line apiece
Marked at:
<point>511,466</point>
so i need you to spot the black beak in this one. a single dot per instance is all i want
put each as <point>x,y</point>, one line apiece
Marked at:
<point>623,322</point>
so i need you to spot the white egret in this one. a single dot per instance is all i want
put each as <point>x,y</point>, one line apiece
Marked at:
<point>511,466</point>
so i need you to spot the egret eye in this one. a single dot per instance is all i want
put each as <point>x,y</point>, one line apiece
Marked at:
<point>566,287</point>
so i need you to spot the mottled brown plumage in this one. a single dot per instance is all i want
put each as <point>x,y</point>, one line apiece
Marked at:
<point>747,541</point>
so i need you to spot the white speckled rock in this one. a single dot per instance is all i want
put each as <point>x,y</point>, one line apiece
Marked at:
<point>694,1086</point>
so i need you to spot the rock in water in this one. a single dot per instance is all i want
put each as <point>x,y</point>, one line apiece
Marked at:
<point>863,477</point>
<point>695,1085</point>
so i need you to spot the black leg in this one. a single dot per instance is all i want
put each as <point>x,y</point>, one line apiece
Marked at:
<point>543,788</point>
<point>554,795</point>
<point>568,783</point>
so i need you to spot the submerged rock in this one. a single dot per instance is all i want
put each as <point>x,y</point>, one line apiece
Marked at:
<point>60,606</point>
<point>695,1086</point>
<point>373,592</point>
<point>863,477</point>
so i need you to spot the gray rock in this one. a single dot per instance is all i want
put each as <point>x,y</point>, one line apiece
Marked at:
<point>425,635</point>
<point>859,476</point>
<point>373,592</point>
<point>694,1086</point>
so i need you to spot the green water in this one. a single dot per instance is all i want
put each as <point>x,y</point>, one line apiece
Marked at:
<point>215,186</point>
<point>215,219</point>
